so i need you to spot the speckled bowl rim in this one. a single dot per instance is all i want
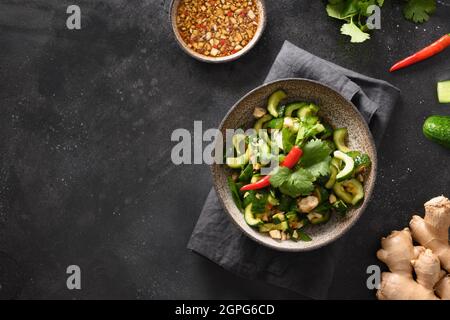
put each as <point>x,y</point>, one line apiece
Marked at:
<point>260,30</point>
<point>370,187</point>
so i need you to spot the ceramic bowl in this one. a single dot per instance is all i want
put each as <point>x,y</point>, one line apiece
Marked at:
<point>261,26</point>
<point>337,111</point>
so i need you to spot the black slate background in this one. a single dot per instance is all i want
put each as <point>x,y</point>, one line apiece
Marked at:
<point>85,124</point>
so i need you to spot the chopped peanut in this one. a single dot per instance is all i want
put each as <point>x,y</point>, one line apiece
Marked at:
<point>226,25</point>
<point>332,198</point>
<point>275,234</point>
<point>307,204</point>
<point>259,112</point>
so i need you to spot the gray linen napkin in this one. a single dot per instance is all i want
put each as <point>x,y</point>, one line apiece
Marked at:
<point>309,273</point>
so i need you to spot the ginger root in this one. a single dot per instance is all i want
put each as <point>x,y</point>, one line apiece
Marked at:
<point>418,272</point>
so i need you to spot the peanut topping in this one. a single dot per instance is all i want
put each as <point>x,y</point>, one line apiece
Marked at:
<point>217,28</point>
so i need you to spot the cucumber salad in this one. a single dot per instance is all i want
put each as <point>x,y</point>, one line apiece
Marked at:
<point>292,169</point>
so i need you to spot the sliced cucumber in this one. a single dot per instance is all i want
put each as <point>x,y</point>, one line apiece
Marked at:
<point>266,227</point>
<point>239,143</point>
<point>332,180</point>
<point>283,226</point>
<point>349,165</point>
<point>278,218</point>
<point>276,123</point>
<point>259,123</point>
<point>318,218</point>
<point>238,162</point>
<point>308,110</point>
<point>321,194</point>
<point>337,163</point>
<point>246,174</point>
<point>291,107</point>
<point>350,191</point>
<point>272,200</point>
<point>443,91</point>
<point>362,163</point>
<point>274,101</point>
<point>339,137</point>
<point>250,217</point>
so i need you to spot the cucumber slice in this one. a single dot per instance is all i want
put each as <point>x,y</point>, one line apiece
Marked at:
<point>349,165</point>
<point>239,143</point>
<point>272,200</point>
<point>291,107</point>
<point>238,162</point>
<point>339,136</point>
<point>318,218</point>
<point>278,218</point>
<point>350,191</point>
<point>246,174</point>
<point>274,101</point>
<point>276,123</point>
<point>332,180</point>
<point>443,91</point>
<point>250,218</point>
<point>259,123</point>
<point>266,227</point>
<point>283,226</point>
<point>321,194</point>
<point>308,110</point>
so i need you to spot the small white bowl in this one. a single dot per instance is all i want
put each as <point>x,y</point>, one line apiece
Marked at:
<point>198,56</point>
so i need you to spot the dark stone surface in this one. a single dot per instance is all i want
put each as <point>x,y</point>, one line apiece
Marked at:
<point>85,123</point>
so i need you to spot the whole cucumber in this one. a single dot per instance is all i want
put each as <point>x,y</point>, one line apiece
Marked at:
<point>437,129</point>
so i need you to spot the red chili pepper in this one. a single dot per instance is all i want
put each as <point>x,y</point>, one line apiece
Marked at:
<point>423,54</point>
<point>289,161</point>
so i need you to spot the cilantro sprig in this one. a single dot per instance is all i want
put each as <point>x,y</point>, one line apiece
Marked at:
<point>419,10</point>
<point>314,163</point>
<point>354,13</point>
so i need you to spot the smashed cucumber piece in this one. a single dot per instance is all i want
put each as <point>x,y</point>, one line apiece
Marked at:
<point>339,137</point>
<point>350,191</point>
<point>319,218</point>
<point>238,162</point>
<point>250,217</point>
<point>332,180</point>
<point>443,91</point>
<point>261,121</point>
<point>291,107</point>
<point>362,161</point>
<point>274,101</point>
<point>349,166</point>
<point>308,110</point>
<point>239,143</point>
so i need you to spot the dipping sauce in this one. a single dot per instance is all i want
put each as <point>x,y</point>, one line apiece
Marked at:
<point>217,28</point>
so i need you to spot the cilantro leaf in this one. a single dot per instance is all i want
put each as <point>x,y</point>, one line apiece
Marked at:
<point>342,9</point>
<point>314,151</point>
<point>279,176</point>
<point>321,168</point>
<point>288,139</point>
<point>419,10</point>
<point>356,34</point>
<point>298,183</point>
<point>316,158</point>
